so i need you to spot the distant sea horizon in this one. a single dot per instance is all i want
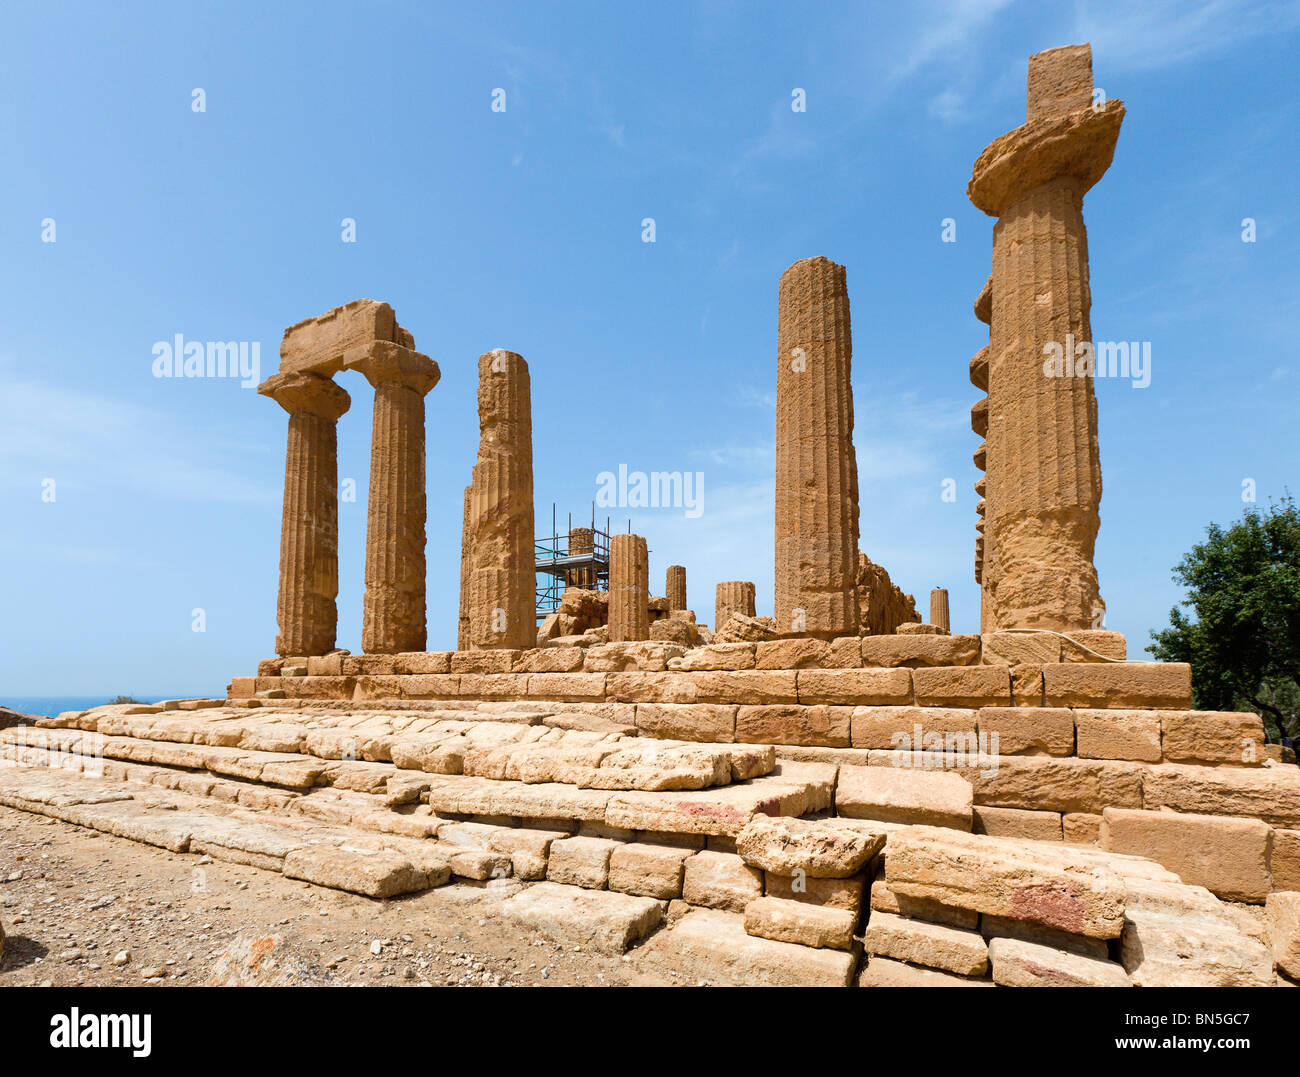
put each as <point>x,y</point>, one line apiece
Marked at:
<point>49,706</point>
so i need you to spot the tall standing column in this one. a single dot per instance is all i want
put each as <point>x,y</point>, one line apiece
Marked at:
<point>816,469</point>
<point>1043,469</point>
<point>675,587</point>
<point>462,617</point>
<point>394,609</point>
<point>309,526</point>
<point>732,596</point>
<point>502,579</point>
<point>629,588</point>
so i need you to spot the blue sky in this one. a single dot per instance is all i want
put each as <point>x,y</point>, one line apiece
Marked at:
<point>522,229</point>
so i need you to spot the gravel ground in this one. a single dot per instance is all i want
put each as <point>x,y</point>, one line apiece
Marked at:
<point>81,908</point>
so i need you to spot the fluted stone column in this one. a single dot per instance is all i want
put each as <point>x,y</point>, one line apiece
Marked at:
<point>629,588</point>
<point>394,609</point>
<point>580,541</point>
<point>939,608</point>
<point>462,616</point>
<point>1043,469</point>
<point>675,587</point>
<point>309,526</point>
<point>502,580</point>
<point>816,469</point>
<point>732,596</point>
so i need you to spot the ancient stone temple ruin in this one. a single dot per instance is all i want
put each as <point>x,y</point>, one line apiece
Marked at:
<point>837,795</point>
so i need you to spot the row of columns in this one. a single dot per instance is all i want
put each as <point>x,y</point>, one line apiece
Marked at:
<point>394,604</point>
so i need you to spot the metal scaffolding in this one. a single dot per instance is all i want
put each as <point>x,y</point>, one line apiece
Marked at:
<point>559,566</point>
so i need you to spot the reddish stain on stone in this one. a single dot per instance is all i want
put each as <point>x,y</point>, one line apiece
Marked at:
<point>1050,904</point>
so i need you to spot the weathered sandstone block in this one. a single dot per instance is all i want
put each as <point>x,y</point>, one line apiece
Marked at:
<point>914,650</point>
<point>962,686</point>
<point>1268,793</point>
<point>599,920</point>
<point>1227,856</point>
<point>904,796</point>
<point>886,972</point>
<point>1212,737</point>
<point>821,849</point>
<point>1026,964</point>
<point>721,881</point>
<point>648,870</point>
<point>1002,877</point>
<point>818,926</point>
<point>794,724</point>
<point>1119,684</point>
<point>1045,783</point>
<point>855,687</point>
<point>920,943</point>
<point>1028,730</point>
<point>1118,735</point>
<point>898,727</point>
<point>1017,823</point>
<point>1282,911</point>
<point>834,893</point>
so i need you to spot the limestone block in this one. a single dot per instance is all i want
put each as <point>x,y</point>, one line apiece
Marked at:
<point>1119,684</point>
<point>722,812</point>
<point>359,871</point>
<point>708,946</point>
<point>855,687</point>
<point>547,660</point>
<point>883,899</point>
<point>834,893</point>
<point>1003,877</point>
<point>794,724</point>
<point>818,926</point>
<point>792,654</point>
<point>886,972</point>
<point>1163,951</point>
<point>322,344</point>
<point>1230,857</point>
<point>1282,911</point>
<point>819,849</point>
<point>646,655</point>
<point>904,796</point>
<point>898,727</point>
<point>1016,648</point>
<point>1002,927</point>
<point>962,686</point>
<point>1017,823</point>
<point>1284,863</point>
<point>1046,783</point>
<point>1094,645</point>
<point>1268,793</point>
<point>1028,730</point>
<point>1081,828</point>
<point>648,870</point>
<point>710,722</point>
<point>580,862</point>
<point>1026,964</point>
<point>932,945</point>
<point>716,656</point>
<point>499,661</point>
<point>1212,737</point>
<point>603,921</point>
<point>720,881</point>
<point>920,650</point>
<point>1118,734</point>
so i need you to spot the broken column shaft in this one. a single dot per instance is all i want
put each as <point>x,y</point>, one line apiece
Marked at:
<point>675,587</point>
<point>732,596</point>
<point>629,589</point>
<point>502,587</point>
<point>816,469</point>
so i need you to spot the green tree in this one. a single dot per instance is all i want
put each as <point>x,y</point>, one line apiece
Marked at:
<point>1243,636</point>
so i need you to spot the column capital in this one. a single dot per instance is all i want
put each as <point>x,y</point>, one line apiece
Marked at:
<point>385,363</point>
<point>1079,145</point>
<point>307,394</point>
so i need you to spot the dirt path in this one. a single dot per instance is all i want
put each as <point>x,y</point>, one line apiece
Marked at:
<point>72,901</point>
